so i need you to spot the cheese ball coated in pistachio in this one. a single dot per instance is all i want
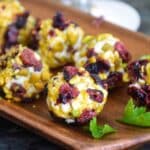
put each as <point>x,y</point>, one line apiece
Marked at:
<point>57,39</point>
<point>105,56</point>
<point>15,24</point>
<point>23,75</point>
<point>139,87</point>
<point>74,95</point>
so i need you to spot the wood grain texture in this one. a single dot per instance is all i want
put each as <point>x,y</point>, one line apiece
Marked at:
<point>38,119</point>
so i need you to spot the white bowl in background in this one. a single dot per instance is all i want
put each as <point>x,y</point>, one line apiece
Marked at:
<point>117,12</point>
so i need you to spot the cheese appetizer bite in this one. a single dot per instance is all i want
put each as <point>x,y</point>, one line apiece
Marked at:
<point>73,95</point>
<point>139,73</point>
<point>15,24</point>
<point>23,75</point>
<point>56,39</point>
<point>105,56</point>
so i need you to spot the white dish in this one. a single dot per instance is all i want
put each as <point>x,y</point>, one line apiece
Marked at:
<point>117,12</point>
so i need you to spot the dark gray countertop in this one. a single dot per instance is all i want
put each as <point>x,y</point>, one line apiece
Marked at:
<point>13,137</point>
<point>143,6</point>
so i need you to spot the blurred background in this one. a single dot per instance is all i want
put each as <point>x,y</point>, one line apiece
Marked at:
<point>131,14</point>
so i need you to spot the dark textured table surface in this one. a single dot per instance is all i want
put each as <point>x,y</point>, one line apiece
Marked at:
<point>13,137</point>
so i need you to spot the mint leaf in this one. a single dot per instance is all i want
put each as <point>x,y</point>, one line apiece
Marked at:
<point>98,131</point>
<point>138,116</point>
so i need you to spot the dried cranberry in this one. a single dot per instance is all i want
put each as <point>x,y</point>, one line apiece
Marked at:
<point>99,81</point>
<point>18,90</point>
<point>123,52</point>
<point>34,39</point>
<point>11,36</point>
<point>59,21</point>
<point>69,72</point>
<point>134,69</point>
<point>86,116</point>
<point>99,66</point>
<point>21,20</point>
<point>95,95</point>
<point>138,94</point>
<point>67,93</point>
<point>28,58</point>
<point>52,33</point>
<point>91,53</point>
<point>34,42</point>
<point>114,79</point>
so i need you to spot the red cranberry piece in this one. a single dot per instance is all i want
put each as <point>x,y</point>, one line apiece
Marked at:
<point>114,79</point>
<point>67,93</point>
<point>52,33</point>
<point>95,95</point>
<point>138,94</point>
<point>18,90</point>
<point>59,21</point>
<point>34,41</point>
<point>134,69</point>
<point>99,66</point>
<point>29,59</point>
<point>123,52</point>
<point>86,116</point>
<point>11,36</point>
<point>91,53</point>
<point>99,81</point>
<point>69,72</point>
<point>21,20</point>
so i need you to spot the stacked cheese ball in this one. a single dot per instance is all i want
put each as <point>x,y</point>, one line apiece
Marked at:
<point>79,93</point>
<point>15,24</point>
<point>139,89</point>
<point>56,39</point>
<point>105,56</point>
<point>22,74</point>
<point>75,96</point>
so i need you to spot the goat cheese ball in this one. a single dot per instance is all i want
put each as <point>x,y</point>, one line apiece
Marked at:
<point>105,56</point>
<point>139,88</point>
<point>56,39</point>
<point>74,95</point>
<point>16,24</point>
<point>23,76</point>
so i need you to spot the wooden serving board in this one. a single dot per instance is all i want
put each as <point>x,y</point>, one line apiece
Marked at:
<point>35,116</point>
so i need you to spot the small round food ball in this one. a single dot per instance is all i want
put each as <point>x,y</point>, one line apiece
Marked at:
<point>105,56</point>
<point>74,95</point>
<point>23,76</point>
<point>139,73</point>
<point>16,24</point>
<point>57,39</point>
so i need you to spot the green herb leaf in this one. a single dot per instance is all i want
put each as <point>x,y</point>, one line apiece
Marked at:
<point>98,131</point>
<point>133,115</point>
